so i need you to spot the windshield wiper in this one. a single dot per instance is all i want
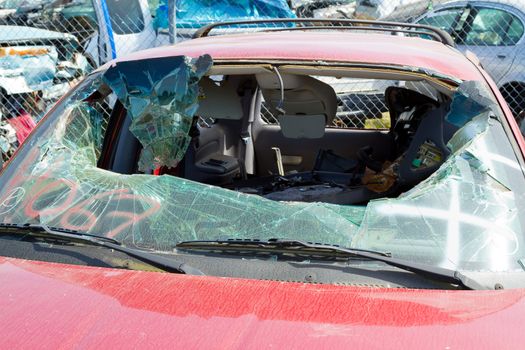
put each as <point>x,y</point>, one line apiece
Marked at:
<point>439,274</point>
<point>276,245</point>
<point>166,264</point>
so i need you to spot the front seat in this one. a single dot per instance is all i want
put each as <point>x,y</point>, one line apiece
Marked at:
<point>205,160</point>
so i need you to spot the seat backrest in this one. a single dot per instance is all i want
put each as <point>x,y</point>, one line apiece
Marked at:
<point>309,103</point>
<point>303,126</point>
<point>219,101</point>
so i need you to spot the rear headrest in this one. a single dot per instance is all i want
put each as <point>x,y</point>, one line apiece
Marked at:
<point>219,102</point>
<point>303,126</point>
<point>303,95</point>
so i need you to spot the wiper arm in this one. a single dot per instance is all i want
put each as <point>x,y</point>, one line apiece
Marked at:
<point>439,274</point>
<point>168,265</point>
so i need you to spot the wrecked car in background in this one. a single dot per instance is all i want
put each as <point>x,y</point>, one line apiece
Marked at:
<point>394,10</point>
<point>292,234</point>
<point>399,10</point>
<point>36,65</point>
<point>495,32</point>
<point>126,27</point>
<point>325,8</point>
<point>20,12</point>
<point>194,14</point>
<point>5,9</point>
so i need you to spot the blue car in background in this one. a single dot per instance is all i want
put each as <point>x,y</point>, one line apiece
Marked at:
<point>194,14</point>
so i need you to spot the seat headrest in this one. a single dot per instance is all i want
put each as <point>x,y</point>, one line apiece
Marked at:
<point>399,100</point>
<point>303,126</point>
<point>303,95</point>
<point>219,102</point>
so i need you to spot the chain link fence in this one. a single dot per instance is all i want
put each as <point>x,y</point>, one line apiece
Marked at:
<point>46,46</point>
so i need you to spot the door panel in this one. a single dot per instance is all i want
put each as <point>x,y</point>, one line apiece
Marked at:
<point>492,35</point>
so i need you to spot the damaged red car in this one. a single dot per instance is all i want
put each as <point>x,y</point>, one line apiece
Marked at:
<point>306,186</point>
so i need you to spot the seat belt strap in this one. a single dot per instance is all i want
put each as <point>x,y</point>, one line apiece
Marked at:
<point>247,152</point>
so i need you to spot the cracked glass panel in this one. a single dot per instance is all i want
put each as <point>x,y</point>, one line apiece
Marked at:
<point>471,99</point>
<point>161,98</point>
<point>465,216</point>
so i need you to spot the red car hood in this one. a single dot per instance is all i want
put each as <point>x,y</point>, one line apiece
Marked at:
<point>62,306</point>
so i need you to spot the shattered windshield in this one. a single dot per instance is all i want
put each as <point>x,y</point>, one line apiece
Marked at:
<point>465,215</point>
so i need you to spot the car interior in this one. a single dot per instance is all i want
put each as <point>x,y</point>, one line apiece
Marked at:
<point>292,133</point>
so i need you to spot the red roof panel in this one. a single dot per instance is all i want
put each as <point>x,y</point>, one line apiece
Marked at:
<point>326,46</point>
